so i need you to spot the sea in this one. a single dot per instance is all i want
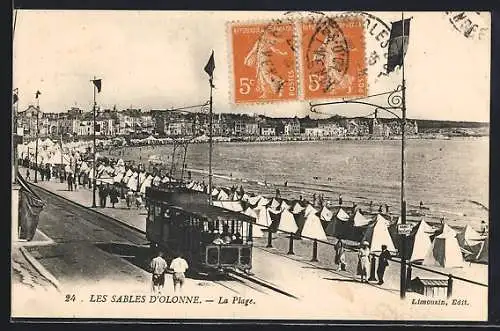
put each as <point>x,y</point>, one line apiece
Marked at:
<point>449,176</point>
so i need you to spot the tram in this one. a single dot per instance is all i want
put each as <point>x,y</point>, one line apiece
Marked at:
<point>211,239</point>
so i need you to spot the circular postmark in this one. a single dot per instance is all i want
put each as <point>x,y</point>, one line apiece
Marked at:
<point>378,33</point>
<point>470,24</point>
<point>327,53</point>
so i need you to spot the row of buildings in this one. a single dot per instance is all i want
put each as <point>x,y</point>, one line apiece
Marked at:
<point>133,122</point>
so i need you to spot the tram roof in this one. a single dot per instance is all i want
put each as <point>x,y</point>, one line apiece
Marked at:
<point>195,203</point>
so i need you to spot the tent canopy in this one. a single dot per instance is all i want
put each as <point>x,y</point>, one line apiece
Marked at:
<point>313,228</point>
<point>377,235</point>
<point>444,252</point>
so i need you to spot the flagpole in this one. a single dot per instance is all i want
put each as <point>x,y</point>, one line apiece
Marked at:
<point>94,154</point>
<point>36,142</point>
<point>403,164</point>
<point>210,145</point>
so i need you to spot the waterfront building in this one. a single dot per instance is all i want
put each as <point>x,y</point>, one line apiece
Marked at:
<point>267,130</point>
<point>292,127</point>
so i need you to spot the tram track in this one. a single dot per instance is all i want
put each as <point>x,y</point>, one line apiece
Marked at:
<point>235,281</point>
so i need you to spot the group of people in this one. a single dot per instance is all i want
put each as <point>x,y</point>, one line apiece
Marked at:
<point>364,260</point>
<point>159,267</point>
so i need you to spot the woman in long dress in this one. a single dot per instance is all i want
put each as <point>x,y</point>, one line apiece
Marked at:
<point>364,261</point>
<point>340,255</point>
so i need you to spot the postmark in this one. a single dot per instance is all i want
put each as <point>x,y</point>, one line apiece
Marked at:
<point>333,57</point>
<point>470,24</point>
<point>264,62</point>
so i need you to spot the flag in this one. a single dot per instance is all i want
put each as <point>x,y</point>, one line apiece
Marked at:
<point>209,68</point>
<point>97,83</point>
<point>398,43</point>
<point>30,207</point>
<point>15,96</point>
<point>37,94</point>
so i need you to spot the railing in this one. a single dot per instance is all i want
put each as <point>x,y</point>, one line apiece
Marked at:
<point>314,258</point>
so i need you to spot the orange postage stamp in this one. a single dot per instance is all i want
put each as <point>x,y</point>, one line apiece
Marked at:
<point>333,57</point>
<point>264,62</point>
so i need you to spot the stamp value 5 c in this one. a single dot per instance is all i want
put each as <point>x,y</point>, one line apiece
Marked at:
<point>333,57</point>
<point>264,62</point>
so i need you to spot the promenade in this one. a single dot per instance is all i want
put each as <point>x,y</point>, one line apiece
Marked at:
<point>322,292</point>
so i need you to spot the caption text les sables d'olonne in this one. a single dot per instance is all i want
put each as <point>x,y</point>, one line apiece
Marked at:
<point>167,299</point>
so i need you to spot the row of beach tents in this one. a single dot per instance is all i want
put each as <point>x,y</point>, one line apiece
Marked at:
<point>433,246</point>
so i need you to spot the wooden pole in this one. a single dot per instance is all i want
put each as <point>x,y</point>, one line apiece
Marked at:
<point>402,291</point>
<point>36,142</point>
<point>210,146</point>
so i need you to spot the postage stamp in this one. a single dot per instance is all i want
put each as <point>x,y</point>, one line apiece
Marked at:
<point>333,57</point>
<point>264,62</point>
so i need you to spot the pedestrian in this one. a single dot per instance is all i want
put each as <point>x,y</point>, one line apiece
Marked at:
<point>158,267</point>
<point>340,199</point>
<point>383,262</point>
<point>75,181</point>
<point>364,261</point>
<point>70,182</point>
<point>340,255</point>
<point>129,198</point>
<point>179,267</point>
<point>27,173</point>
<point>483,228</point>
<point>113,196</point>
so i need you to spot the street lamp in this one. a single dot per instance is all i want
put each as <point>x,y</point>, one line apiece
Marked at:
<point>395,100</point>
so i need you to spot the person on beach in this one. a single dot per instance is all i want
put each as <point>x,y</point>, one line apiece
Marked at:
<point>340,199</point>
<point>380,209</point>
<point>387,209</point>
<point>383,262</point>
<point>364,261</point>
<point>371,205</point>
<point>158,267</point>
<point>113,196</point>
<point>179,267</point>
<point>340,255</point>
<point>27,174</point>
<point>421,205</point>
<point>278,194</point>
<point>483,228</point>
<point>70,182</point>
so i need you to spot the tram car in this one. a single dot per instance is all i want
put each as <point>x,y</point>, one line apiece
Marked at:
<point>211,239</point>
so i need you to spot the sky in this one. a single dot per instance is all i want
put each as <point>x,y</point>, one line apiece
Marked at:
<point>155,60</point>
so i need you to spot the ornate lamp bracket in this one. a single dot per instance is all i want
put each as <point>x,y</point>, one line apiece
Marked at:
<point>394,102</point>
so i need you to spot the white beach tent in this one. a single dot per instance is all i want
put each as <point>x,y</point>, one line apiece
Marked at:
<point>313,228</point>
<point>215,192</point>
<point>274,204</point>
<point>310,210</point>
<point>360,220</point>
<point>482,256</point>
<point>263,217</point>
<point>297,208</point>
<point>421,242</point>
<point>377,235</point>
<point>469,237</point>
<point>342,215</point>
<point>254,200</point>
<point>444,252</point>
<point>382,219</point>
<point>256,230</point>
<point>326,214</point>
<point>263,202</point>
<point>146,183</point>
<point>235,196</point>
<point>287,222</point>
<point>284,206</point>
<point>222,195</point>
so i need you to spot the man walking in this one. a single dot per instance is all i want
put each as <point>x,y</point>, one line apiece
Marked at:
<point>179,266</point>
<point>383,262</point>
<point>158,267</point>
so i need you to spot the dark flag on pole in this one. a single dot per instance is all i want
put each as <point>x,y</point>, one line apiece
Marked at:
<point>398,43</point>
<point>37,94</point>
<point>209,68</point>
<point>97,83</point>
<point>15,97</point>
<point>30,207</point>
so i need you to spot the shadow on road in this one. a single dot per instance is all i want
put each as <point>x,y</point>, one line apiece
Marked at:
<point>139,256</point>
<point>349,280</point>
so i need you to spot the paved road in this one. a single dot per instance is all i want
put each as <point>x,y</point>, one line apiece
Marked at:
<point>92,251</point>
